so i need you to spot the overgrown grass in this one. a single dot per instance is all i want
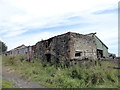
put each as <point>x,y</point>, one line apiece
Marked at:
<point>84,76</point>
<point>7,84</point>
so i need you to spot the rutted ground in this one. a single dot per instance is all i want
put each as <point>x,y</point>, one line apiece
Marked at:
<point>19,82</point>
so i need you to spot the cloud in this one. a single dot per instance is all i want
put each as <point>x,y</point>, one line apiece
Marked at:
<point>10,30</point>
<point>14,33</point>
<point>40,19</point>
<point>107,11</point>
<point>30,39</point>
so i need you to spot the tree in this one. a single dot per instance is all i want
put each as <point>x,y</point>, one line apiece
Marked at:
<point>3,47</point>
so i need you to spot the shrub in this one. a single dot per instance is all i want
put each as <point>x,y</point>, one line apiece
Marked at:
<point>11,60</point>
<point>22,58</point>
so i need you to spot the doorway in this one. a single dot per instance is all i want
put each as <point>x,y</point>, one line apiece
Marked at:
<point>99,53</point>
<point>48,57</point>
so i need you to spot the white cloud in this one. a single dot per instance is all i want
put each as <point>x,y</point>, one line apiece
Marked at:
<point>14,33</point>
<point>56,7</point>
<point>30,39</point>
<point>18,16</point>
<point>10,30</point>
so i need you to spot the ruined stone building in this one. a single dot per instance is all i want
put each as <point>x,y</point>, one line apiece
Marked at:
<point>18,50</point>
<point>27,51</point>
<point>102,49</point>
<point>64,48</point>
<point>70,47</point>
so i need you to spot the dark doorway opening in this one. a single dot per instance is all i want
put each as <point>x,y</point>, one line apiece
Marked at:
<point>48,57</point>
<point>99,53</point>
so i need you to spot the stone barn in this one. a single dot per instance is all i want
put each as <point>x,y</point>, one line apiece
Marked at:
<point>68,47</point>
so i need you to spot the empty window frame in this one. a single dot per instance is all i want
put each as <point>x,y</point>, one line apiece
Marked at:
<point>78,54</point>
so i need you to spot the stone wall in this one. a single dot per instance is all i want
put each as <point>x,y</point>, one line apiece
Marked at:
<point>63,48</point>
<point>82,46</point>
<point>55,49</point>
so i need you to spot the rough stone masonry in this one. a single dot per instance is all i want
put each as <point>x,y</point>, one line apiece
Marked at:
<point>66,48</point>
<point>69,48</point>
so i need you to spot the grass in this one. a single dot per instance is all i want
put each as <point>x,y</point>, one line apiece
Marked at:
<point>84,76</point>
<point>7,84</point>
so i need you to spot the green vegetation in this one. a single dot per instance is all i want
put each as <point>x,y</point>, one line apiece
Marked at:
<point>84,76</point>
<point>7,84</point>
<point>3,47</point>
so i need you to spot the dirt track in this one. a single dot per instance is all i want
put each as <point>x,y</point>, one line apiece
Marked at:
<point>19,82</point>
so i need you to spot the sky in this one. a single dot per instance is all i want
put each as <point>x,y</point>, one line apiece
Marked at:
<point>29,21</point>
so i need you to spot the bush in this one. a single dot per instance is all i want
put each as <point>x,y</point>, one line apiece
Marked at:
<point>12,60</point>
<point>22,58</point>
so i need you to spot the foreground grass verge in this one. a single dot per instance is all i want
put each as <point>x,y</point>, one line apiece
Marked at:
<point>84,76</point>
<point>7,84</point>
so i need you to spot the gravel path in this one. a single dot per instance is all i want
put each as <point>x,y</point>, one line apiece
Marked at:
<point>19,82</point>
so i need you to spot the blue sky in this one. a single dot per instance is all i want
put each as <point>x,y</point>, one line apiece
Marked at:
<point>29,21</point>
